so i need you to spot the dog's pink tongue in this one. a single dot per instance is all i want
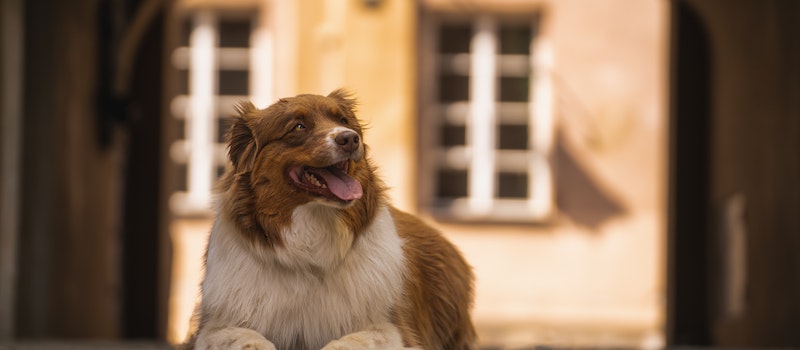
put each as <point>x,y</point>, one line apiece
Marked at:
<point>342,186</point>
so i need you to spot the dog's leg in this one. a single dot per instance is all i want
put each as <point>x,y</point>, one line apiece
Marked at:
<point>233,338</point>
<point>384,336</point>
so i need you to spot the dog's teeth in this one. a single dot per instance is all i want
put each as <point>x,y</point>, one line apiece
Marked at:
<point>313,180</point>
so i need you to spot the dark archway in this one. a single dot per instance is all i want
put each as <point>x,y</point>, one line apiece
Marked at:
<point>689,197</point>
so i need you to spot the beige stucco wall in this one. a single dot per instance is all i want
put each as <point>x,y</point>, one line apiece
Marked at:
<point>566,282</point>
<point>371,52</point>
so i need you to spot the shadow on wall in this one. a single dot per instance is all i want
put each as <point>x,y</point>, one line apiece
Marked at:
<point>578,195</point>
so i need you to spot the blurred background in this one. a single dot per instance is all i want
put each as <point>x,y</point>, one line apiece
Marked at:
<point>620,173</point>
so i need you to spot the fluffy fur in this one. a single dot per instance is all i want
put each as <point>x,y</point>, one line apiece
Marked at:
<point>306,252</point>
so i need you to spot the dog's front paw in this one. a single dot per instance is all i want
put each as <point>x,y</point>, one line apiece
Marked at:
<point>234,338</point>
<point>351,344</point>
<point>340,344</point>
<point>252,343</point>
<point>377,337</point>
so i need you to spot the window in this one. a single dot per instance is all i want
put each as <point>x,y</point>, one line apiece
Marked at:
<point>221,61</point>
<point>486,119</point>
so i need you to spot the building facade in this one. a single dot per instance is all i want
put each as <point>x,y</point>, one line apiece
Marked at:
<point>532,133</point>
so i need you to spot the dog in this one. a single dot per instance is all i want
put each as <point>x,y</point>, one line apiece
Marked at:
<point>307,253</point>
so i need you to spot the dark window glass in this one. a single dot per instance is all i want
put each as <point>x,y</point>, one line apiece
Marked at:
<point>185,32</point>
<point>453,135</point>
<point>452,183</point>
<point>234,33</point>
<point>183,82</point>
<point>454,38</point>
<point>223,124</point>
<point>512,137</point>
<point>182,178</point>
<point>514,89</point>
<point>515,39</point>
<point>234,82</point>
<point>512,185</point>
<point>180,128</point>
<point>453,88</point>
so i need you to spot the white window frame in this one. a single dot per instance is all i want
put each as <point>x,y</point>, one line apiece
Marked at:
<point>202,106</point>
<point>480,156</point>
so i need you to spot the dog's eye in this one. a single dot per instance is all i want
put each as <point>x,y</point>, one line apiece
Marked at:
<point>299,127</point>
<point>343,120</point>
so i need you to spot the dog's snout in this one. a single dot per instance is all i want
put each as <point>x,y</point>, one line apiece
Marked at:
<point>348,141</point>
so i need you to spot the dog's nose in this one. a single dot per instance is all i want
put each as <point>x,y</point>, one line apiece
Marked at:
<point>348,141</point>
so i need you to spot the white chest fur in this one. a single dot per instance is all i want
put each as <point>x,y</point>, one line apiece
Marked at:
<point>319,286</point>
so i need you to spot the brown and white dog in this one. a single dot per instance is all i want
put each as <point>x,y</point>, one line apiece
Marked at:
<point>307,253</point>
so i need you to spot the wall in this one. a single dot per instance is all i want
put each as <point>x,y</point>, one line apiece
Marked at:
<point>570,282</point>
<point>370,51</point>
<point>332,44</point>
<point>595,276</point>
<point>592,277</point>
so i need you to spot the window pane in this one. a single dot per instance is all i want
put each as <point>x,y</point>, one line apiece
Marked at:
<point>452,183</point>
<point>180,127</point>
<point>515,39</point>
<point>185,31</point>
<point>234,33</point>
<point>514,89</point>
<point>234,82</point>
<point>453,135</point>
<point>512,185</point>
<point>223,124</point>
<point>512,137</point>
<point>453,88</point>
<point>182,178</point>
<point>183,82</point>
<point>454,38</point>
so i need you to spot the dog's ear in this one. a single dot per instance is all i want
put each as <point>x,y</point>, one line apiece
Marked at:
<point>242,145</point>
<point>345,99</point>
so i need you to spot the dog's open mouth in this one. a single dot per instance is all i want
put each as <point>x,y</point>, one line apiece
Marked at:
<point>331,182</point>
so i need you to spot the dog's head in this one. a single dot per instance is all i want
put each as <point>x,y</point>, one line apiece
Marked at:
<point>302,149</point>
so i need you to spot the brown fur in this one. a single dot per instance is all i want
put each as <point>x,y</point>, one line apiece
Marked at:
<point>435,314</point>
<point>258,197</point>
